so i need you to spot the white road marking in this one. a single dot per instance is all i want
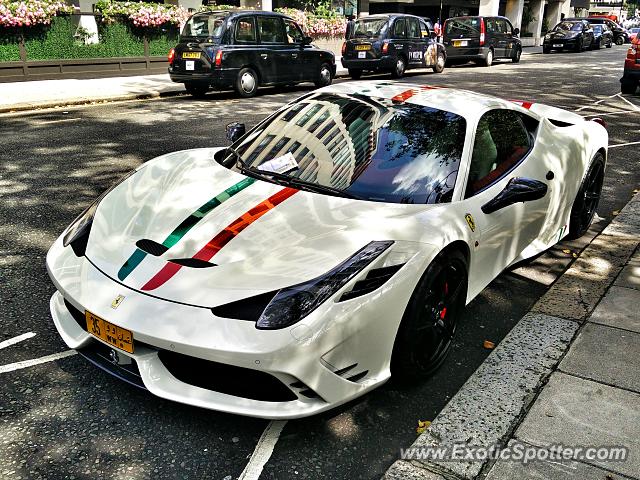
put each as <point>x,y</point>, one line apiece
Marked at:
<point>36,361</point>
<point>59,121</point>
<point>610,113</point>
<point>624,144</point>
<point>263,450</point>
<point>635,107</point>
<point>597,103</point>
<point>18,339</point>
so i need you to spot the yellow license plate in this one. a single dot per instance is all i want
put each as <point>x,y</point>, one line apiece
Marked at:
<point>112,334</point>
<point>190,54</point>
<point>460,43</point>
<point>363,47</point>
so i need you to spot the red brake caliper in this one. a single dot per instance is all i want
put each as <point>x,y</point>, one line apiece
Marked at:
<point>443,313</point>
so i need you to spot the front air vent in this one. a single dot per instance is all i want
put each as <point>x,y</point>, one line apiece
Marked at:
<point>152,248</point>
<point>375,279</point>
<point>304,390</point>
<point>192,262</point>
<point>246,309</point>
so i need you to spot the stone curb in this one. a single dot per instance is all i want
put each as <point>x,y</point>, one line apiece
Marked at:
<point>493,401</point>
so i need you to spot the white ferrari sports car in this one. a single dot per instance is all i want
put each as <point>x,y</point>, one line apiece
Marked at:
<point>330,247</point>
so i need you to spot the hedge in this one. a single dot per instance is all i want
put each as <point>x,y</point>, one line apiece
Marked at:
<point>57,41</point>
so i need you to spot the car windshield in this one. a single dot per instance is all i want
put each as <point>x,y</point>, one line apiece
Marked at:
<point>463,26</point>
<point>204,25</point>
<point>566,26</point>
<point>370,27</point>
<point>364,147</point>
<point>635,30</point>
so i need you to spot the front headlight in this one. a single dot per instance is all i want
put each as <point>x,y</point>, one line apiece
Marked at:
<point>292,304</point>
<point>81,226</point>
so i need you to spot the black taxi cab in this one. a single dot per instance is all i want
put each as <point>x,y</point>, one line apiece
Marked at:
<point>245,49</point>
<point>391,43</point>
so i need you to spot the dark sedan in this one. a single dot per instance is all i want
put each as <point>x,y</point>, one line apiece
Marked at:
<point>575,35</point>
<point>603,36</point>
<point>244,50</point>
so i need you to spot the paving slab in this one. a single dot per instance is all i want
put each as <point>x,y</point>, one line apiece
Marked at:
<point>629,276</point>
<point>571,411</point>
<point>545,470</point>
<point>607,355</point>
<point>486,409</point>
<point>619,308</point>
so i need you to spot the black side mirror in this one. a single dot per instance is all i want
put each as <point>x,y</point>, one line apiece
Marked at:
<point>235,130</point>
<point>517,190</point>
<point>516,31</point>
<point>307,41</point>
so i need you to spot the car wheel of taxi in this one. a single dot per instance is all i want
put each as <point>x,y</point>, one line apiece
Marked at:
<point>619,41</point>
<point>440,63</point>
<point>247,82</point>
<point>324,77</point>
<point>197,89</point>
<point>398,70</point>
<point>488,59</point>
<point>355,73</point>
<point>517,55</point>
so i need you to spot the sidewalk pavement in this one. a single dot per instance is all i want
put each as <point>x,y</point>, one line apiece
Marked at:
<point>566,375</point>
<point>32,95</point>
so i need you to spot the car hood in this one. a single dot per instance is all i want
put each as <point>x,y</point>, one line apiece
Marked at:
<point>255,235</point>
<point>563,34</point>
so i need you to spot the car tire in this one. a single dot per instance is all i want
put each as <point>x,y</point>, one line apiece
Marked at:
<point>487,61</point>
<point>246,84</point>
<point>517,55</point>
<point>355,74</point>
<point>609,45</point>
<point>628,87</point>
<point>430,319</point>
<point>579,48</point>
<point>324,76</point>
<point>586,203</point>
<point>197,89</point>
<point>619,41</point>
<point>400,67</point>
<point>598,45</point>
<point>440,63</point>
<point>546,50</point>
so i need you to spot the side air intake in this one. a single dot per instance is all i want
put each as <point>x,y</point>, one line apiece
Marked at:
<point>374,280</point>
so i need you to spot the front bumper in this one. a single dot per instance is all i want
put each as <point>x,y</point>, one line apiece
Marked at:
<point>568,44</point>
<point>306,358</point>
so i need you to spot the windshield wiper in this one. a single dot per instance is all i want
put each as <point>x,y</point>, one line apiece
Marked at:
<point>283,179</point>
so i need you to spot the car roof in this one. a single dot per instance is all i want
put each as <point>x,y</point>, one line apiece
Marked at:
<point>461,102</point>
<point>479,16</point>
<point>234,13</point>
<point>391,15</point>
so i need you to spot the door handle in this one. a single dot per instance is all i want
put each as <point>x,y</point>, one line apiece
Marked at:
<point>294,55</point>
<point>264,56</point>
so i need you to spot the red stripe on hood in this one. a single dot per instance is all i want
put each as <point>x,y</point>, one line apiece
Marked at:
<point>216,244</point>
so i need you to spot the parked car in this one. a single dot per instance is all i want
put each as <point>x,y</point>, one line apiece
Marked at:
<point>633,33</point>
<point>576,35</point>
<point>602,35</point>
<point>391,43</point>
<point>620,34</point>
<point>631,77</point>
<point>244,50</point>
<point>481,39</point>
<point>331,247</point>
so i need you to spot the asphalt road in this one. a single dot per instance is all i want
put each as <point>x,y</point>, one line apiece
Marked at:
<point>66,419</point>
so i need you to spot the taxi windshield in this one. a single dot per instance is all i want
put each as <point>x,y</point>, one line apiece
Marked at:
<point>567,26</point>
<point>204,25</point>
<point>370,27</point>
<point>365,147</point>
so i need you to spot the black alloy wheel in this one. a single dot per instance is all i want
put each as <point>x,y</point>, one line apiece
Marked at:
<point>518,54</point>
<point>430,320</point>
<point>587,200</point>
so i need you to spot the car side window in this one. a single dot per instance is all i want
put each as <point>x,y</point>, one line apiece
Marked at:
<point>399,28</point>
<point>424,29</point>
<point>271,30</point>
<point>503,138</point>
<point>502,25</point>
<point>294,34</point>
<point>491,25</point>
<point>246,30</point>
<point>414,28</point>
<point>508,28</point>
